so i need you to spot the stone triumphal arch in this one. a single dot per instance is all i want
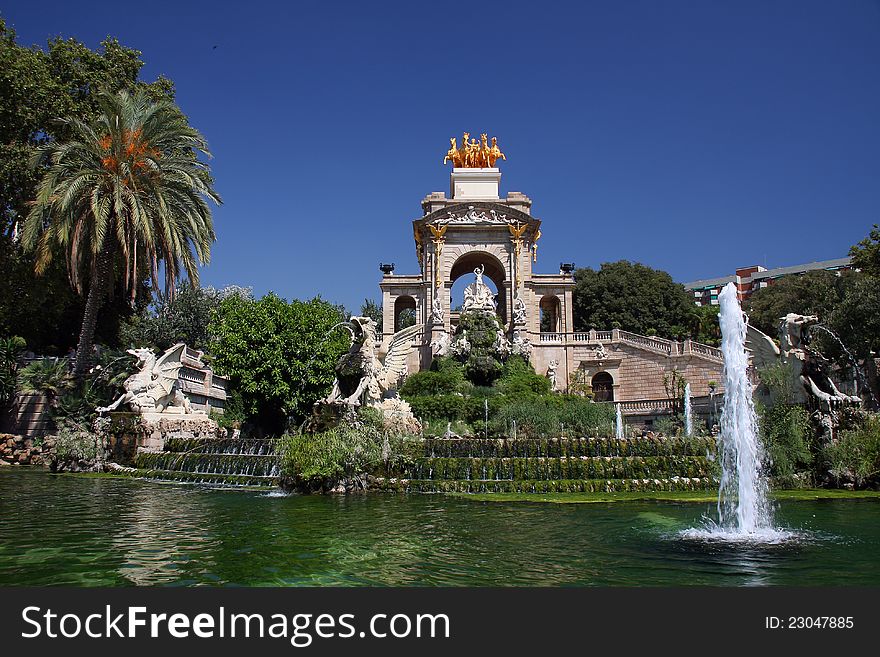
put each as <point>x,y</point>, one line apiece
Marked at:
<point>476,235</point>
<point>474,228</point>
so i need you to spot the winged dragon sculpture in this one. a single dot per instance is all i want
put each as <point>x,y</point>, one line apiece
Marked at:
<point>807,367</point>
<point>153,388</point>
<point>361,377</point>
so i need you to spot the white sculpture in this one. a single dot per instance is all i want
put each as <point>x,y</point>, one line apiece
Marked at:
<point>437,310</point>
<point>519,310</point>
<point>600,352</point>
<point>551,373</point>
<point>520,346</point>
<point>478,295</point>
<point>153,389</point>
<point>807,366</point>
<point>460,346</point>
<point>440,345</point>
<point>501,346</point>
<point>361,378</point>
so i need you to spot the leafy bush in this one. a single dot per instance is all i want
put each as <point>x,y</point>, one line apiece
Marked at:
<point>549,417</point>
<point>74,442</point>
<point>448,378</point>
<point>321,461</point>
<point>520,381</point>
<point>854,458</point>
<point>439,407</point>
<point>47,376</point>
<point>668,425</point>
<point>786,433</point>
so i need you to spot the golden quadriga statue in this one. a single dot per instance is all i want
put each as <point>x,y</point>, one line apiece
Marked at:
<point>472,155</point>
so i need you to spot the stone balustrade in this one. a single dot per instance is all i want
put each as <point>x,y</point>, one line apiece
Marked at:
<point>652,343</point>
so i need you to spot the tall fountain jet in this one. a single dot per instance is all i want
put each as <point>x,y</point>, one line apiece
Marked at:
<point>742,496</point>
<point>618,424</point>
<point>688,412</point>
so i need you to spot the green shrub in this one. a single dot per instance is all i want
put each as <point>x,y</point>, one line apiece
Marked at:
<point>786,434</point>
<point>439,407</point>
<point>585,418</point>
<point>548,417</point>
<point>320,461</point>
<point>46,376</point>
<point>520,381</point>
<point>668,425</point>
<point>855,456</point>
<point>430,382</point>
<point>74,442</point>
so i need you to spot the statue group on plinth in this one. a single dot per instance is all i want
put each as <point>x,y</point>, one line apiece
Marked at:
<point>472,155</point>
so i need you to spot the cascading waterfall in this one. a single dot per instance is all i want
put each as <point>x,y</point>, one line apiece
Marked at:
<point>688,412</point>
<point>618,429</point>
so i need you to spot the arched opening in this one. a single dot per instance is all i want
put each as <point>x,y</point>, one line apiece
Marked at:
<point>603,387</point>
<point>462,275</point>
<point>549,307</point>
<point>404,312</point>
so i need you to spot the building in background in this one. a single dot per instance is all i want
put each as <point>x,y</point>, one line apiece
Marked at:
<point>753,278</point>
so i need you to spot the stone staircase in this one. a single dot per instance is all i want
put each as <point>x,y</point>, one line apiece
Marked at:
<point>221,462</point>
<point>563,465</point>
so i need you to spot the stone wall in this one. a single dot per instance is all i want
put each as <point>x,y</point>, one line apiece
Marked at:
<point>124,434</point>
<point>21,450</point>
<point>28,416</point>
<point>640,373</point>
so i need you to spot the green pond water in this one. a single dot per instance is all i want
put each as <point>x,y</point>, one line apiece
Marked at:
<point>70,530</point>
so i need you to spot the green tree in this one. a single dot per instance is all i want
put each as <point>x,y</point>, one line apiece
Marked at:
<point>704,326</point>
<point>182,317</point>
<point>37,86</point>
<point>124,192</point>
<point>373,310</point>
<point>856,320</point>
<point>812,293</point>
<point>280,356</point>
<point>633,297</point>
<point>866,254</point>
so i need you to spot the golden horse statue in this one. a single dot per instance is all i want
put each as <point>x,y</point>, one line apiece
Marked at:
<point>453,154</point>
<point>495,153</point>
<point>463,151</point>
<point>482,155</point>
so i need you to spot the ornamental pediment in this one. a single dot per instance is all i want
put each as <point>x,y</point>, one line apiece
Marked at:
<point>482,214</point>
<point>472,216</point>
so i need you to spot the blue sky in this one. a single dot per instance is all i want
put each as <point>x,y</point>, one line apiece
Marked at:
<point>694,136</point>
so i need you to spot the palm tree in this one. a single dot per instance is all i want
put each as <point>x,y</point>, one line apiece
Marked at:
<point>126,192</point>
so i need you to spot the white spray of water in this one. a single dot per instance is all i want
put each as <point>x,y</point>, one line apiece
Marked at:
<point>618,432</point>
<point>742,496</point>
<point>688,413</point>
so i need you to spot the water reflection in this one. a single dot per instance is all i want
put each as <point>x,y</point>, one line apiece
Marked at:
<point>89,532</point>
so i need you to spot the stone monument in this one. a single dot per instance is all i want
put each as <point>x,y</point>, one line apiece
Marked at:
<point>154,407</point>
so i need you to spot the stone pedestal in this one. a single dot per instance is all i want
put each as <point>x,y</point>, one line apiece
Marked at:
<point>126,434</point>
<point>474,184</point>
